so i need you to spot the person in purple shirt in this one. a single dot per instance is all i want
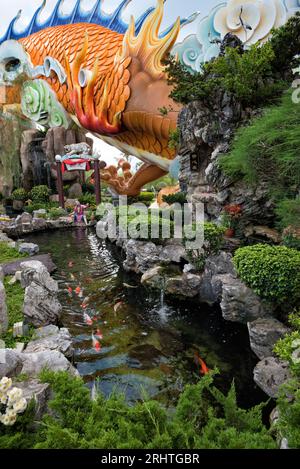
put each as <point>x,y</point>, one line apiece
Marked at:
<point>78,214</point>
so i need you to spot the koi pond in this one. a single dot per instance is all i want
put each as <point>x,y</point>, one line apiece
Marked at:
<point>149,341</point>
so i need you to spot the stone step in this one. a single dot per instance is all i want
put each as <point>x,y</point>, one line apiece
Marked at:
<point>11,268</point>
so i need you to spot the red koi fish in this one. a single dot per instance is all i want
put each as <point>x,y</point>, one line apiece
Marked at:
<point>203,368</point>
<point>96,343</point>
<point>99,334</point>
<point>77,290</point>
<point>70,290</point>
<point>87,319</point>
<point>83,306</point>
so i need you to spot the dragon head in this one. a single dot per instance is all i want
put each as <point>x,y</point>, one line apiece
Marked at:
<point>14,68</point>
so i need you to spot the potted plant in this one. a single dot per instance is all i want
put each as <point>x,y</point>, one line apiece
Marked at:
<point>19,196</point>
<point>230,218</point>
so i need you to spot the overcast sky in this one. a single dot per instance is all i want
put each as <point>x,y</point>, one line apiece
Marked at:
<point>173,8</point>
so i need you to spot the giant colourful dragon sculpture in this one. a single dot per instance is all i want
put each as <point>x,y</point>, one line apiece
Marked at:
<point>108,82</point>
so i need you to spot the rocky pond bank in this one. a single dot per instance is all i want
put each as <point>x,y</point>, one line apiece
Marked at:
<point>166,267</point>
<point>36,342</point>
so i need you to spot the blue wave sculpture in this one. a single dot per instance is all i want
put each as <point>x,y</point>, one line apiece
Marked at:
<point>96,15</point>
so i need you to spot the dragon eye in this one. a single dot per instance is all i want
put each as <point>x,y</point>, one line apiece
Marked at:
<point>12,65</point>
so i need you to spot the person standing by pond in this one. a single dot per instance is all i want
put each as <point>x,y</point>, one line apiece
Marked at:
<point>78,214</point>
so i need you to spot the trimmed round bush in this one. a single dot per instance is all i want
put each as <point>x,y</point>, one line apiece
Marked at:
<point>40,194</point>
<point>178,198</point>
<point>273,272</point>
<point>56,212</point>
<point>19,194</point>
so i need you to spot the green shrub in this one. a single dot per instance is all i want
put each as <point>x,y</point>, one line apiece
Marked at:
<point>288,402</point>
<point>287,348</point>
<point>288,212</point>
<point>55,213</point>
<point>292,241</point>
<point>42,205</point>
<point>22,435</point>
<point>144,223</point>
<point>285,42</point>
<point>146,197</point>
<point>88,199</point>
<point>213,240</point>
<point>41,215</point>
<point>246,76</point>
<point>213,236</point>
<point>254,77</point>
<point>19,194</point>
<point>66,189</point>
<point>203,418</point>
<point>90,215</point>
<point>273,272</point>
<point>88,188</point>
<point>178,198</point>
<point>174,139</point>
<point>288,405</point>
<point>40,194</point>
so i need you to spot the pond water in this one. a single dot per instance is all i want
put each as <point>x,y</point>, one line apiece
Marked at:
<point>149,341</point>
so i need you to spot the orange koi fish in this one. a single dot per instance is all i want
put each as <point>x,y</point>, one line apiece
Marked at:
<point>201,363</point>
<point>96,343</point>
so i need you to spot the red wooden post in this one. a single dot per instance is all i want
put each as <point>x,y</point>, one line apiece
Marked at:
<point>60,186</point>
<point>97,182</point>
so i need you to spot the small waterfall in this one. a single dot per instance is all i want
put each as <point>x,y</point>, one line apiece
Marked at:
<point>163,308</point>
<point>162,298</point>
<point>38,161</point>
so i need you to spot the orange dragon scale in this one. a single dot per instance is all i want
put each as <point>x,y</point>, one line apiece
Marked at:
<point>106,77</point>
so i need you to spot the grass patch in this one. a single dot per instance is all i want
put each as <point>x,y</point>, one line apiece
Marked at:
<point>8,254</point>
<point>14,301</point>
